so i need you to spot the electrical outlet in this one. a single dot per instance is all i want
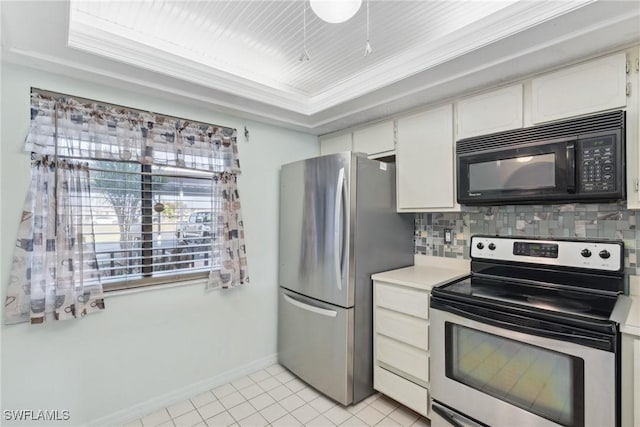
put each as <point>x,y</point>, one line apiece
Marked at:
<point>448,236</point>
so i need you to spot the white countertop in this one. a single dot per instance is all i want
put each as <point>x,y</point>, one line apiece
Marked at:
<point>428,271</point>
<point>632,324</point>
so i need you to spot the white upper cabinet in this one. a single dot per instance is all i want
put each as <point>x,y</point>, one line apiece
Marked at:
<point>425,161</point>
<point>335,144</point>
<point>375,140</point>
<point>586,88</point>
<point>490,112</point>
<point>633,132</point>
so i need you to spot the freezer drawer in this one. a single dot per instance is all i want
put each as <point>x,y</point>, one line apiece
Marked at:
<point>315,342</point>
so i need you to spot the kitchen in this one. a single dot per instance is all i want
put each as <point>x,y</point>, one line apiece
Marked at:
<point>173,342</point>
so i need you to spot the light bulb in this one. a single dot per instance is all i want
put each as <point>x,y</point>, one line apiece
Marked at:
<point>335,11</point>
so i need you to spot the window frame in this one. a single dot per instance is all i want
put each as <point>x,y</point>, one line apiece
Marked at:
<point>147,249</point>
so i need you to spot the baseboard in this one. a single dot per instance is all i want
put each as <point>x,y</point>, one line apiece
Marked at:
<point>151,405</point>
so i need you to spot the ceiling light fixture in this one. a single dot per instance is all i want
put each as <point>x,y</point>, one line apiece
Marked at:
<point>335,11</point>
<point>304,56</point>
<point>367,49</point>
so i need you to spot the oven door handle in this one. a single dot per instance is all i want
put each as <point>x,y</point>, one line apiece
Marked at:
<point>446,415</point>
<point>454,419</point>
<point>599,343</point>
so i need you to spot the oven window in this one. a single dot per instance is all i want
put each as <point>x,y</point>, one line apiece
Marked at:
<point>543,382</point>
<point>530,172</point>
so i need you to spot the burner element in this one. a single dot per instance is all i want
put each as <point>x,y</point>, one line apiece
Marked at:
<point>557,304</point>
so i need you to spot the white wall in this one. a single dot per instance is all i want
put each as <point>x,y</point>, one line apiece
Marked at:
<point>149,344</point>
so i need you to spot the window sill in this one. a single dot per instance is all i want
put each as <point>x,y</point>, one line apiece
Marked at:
<point>121,292</point>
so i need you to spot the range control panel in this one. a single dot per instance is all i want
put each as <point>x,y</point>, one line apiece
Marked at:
<point>537,249</point>
<point>607,255</point>
<point>597,165</point>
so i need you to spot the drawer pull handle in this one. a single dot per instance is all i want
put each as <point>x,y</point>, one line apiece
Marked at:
<point>307,307</point>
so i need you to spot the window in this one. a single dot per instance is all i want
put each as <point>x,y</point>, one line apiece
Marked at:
<point>151,223</point>
<point>164,199</point>
<point>122,197</point>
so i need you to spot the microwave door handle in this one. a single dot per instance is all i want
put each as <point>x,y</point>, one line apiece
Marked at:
<point>571,167</point>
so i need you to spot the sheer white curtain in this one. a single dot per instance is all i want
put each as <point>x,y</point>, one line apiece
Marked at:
<point>62,279</point>
<point>104,132</point>
<point>233,255</point>
<point>54,273</point>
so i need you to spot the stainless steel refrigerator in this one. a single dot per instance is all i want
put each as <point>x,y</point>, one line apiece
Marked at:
<point>338,225</point>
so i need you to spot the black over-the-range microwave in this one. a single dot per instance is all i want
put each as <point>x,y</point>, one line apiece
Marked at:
<point>578,160</point>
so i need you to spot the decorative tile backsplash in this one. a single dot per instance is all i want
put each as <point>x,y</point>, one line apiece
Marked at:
<point>601,221</point>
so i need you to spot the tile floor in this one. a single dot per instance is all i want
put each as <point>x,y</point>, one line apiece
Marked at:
<point>275,397</point>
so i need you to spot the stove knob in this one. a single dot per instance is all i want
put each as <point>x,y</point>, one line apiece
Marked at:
<point>492,246</point>
<point>585,253</point>
<point>480,245</point>
<point>604,254</point>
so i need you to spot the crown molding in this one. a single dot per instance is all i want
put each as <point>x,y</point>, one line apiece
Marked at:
<point>89,38</point>
<point>590,31</point>
<point>97,36</point>
<point>522,56</point>
<point>81,70</point>
<point>519,17</point>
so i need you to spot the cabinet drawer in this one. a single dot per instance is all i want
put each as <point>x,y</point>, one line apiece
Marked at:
<point>404,328</point>
<point>404,300</point>
<point>403,357</point>
<point>409,394</point>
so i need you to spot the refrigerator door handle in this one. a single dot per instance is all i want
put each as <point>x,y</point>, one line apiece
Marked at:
<point>311,308</point>
<point>338,228</point>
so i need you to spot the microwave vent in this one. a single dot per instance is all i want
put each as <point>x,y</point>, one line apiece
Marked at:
<point>567,128</point>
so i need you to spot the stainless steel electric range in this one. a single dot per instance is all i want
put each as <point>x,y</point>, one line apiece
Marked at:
<point>531,337</point>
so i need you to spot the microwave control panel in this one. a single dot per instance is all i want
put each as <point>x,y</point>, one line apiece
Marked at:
<point>597,165</point>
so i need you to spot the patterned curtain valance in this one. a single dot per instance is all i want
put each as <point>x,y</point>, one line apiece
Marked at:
<point>88,130</point>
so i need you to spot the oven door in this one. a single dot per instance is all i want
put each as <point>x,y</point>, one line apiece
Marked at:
<point>508,375</point>
<point>538,171</point>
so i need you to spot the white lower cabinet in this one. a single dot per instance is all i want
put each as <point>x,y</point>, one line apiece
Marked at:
<point>401,344</point>
<point>636,382</point>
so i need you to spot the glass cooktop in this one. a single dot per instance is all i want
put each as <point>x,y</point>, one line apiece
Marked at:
<point>539,297</point>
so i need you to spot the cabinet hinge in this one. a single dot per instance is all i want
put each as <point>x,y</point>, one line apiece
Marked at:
<point>395,133</point>
<point>637,64</point>
<point>627,67</point>
<point>629,89</point>
<point>636,184</point>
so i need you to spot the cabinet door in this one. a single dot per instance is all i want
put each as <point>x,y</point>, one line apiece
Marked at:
<point>490,112</point>
<point>586,88</point>
<point>374,139</point>
<point>424,156</point>
<point>335,144</point>
<point>636,382</point>
<point>633,132</point>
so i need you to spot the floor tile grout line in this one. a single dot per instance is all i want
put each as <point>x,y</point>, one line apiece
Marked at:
<point>301,388</point>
